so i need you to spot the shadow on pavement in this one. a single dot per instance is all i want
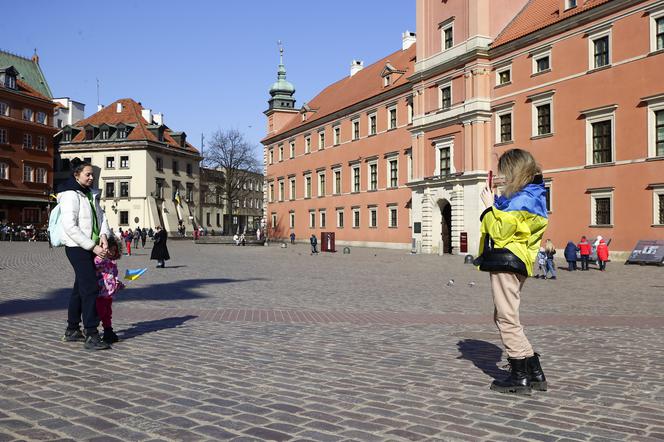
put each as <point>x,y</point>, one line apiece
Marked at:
<point>171,291</point>
<point>143,327</point>
<point>484,355</point>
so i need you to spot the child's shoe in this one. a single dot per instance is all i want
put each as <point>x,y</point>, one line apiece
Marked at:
<point>73,335</point>
<point>109,336</point>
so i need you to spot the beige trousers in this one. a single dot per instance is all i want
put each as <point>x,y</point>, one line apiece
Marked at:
<point>506,288</point>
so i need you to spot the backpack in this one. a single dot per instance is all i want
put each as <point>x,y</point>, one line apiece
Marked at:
<point>55,232</point>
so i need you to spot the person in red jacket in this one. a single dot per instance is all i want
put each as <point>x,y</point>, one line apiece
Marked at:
<point>602,253</point>
<point>584,250</point>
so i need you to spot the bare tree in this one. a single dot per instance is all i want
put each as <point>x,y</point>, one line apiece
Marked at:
<point>229,152</point>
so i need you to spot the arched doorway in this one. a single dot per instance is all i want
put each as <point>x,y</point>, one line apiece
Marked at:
<point>446,224</point>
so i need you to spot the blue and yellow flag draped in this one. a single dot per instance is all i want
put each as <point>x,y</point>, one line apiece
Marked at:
<point>132,275</point>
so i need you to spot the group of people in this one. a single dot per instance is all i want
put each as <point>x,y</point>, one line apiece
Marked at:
<point>19,232</point>
<point>573,253</point>
<point>138,235</point>
<point>92,251</point>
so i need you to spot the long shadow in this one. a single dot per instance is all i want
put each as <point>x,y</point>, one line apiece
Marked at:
<point>171,291</point>
<point>484,355</point>
<point>143,327</point>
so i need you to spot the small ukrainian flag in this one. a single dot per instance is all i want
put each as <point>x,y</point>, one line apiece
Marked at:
<point>132,275</point>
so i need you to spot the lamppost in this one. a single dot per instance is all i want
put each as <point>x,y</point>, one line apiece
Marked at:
<point>49,194</point>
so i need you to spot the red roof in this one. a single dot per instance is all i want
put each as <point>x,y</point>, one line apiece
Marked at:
<point>538,14</point>
<point>131,115</point>
<point>26,89</point>
<point>365,84</point>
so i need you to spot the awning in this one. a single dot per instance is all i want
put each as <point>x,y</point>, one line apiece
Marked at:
<point>27,199</point>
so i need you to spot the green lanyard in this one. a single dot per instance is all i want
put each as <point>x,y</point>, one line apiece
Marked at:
<point>95,225</point>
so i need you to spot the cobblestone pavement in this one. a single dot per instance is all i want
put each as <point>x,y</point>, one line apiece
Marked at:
<point>265,343</point>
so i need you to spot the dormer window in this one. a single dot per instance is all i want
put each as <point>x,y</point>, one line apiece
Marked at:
<point>387,80</point>
<point>66,136</point>
<point>89,134</point>
<point>569,4</point>
<point>122,133</point>
<point>104,134</point>
<point>8,77</point>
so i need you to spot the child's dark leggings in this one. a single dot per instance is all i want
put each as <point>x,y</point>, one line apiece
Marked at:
<point>105,310</point>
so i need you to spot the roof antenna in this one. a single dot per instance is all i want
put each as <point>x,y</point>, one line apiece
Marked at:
<point>97,92</point>
<point>281,52</point>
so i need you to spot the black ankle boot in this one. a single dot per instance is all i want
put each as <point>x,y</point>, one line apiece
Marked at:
<point>109,336</point>
<point>535,373</point>
<point>517,382</point>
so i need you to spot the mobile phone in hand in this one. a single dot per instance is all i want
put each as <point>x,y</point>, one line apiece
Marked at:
<point>490,179</point>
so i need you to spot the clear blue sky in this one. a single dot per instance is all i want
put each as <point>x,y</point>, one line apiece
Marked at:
<point>206,65</point>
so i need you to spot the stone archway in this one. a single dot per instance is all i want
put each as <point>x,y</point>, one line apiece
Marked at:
<point>445,224</point>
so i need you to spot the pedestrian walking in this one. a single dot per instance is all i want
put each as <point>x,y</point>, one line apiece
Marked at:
<point>584,251</point>
<point>541,263</point>
<point>159,250</point>
<point>570,255</point>
<point>144,235</point>
<point>602,253</point>
<point>85,234</point>
<point>128,237</point>
<point>109,285</point>
<point>137,236</point>
<point>314,244</point>
<point>292,238</point>
<point>550,251</point>
<point>516,221</point>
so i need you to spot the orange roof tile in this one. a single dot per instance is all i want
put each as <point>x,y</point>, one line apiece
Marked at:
<point>538,14</point>
<point>28,90</point>
<point>364,84</point>
<point>130,114</point>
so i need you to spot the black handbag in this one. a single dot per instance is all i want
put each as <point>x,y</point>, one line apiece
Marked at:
<point>495,259</point>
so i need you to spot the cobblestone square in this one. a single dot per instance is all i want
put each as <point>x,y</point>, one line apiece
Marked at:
<point>270,343</point>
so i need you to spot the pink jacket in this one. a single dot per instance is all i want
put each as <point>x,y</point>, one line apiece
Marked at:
<point>107,277</point>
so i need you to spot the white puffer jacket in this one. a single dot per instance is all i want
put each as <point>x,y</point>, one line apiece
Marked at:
<point>76,216</point>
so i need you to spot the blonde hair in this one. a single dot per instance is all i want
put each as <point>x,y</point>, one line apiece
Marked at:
<point>519,168</point>
<point>549,246</point>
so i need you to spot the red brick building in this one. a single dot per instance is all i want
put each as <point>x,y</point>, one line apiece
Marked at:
<point>26,141</point>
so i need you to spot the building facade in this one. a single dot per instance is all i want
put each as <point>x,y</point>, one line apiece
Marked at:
<point>577,83</point>
<point>148,174</point>
<point>26,141</point>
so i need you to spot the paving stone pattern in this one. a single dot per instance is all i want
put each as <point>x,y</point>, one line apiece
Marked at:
<point>264,343</point>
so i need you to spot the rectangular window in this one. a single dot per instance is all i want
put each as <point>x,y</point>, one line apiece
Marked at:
<point>393,118</point>
<point>393,216</point>
<point>373,217</point>
<point>3,136</point>
<point>659,133</point>
<point>292,150</point>
<point>27,141</point>
<point>28,115</point>
<point>373,176</point>
<point>40,175</point>
<point>104,134</point>
<point>337,182</point>
<point>544,119</point>
<point>312,219</point>
<point>124,189</point>
<point>602,211</point>
<point>124,162</point>
<point>291,182</point>
<point>660,201</point>
<point>307,186</point>
<point>270,195</point>
<point>27,173</point>
<point>356,179</point>
<point>340,219</point>
<point>176,167</point>
<point>547,195</point>
<point>122,133</point>
<point>505,127</point>
<point>601,51</point>
<point>356,218</point>
<point>270,158</point>
<point>41,117</point>
<point>448,38</point>
<point>281,190</point>
<point>291,220</point>
<point>504,75</point>
<point>110,162</point>
<point>356,129</point>
<point>160,164</point>
<point>159,188</point>
<point>4,109</point>
<point>542,63</point>
<point>124,217</point>
<point>601,133</point>
<point>110,189</point>
<point>446,97</point>
<point>281,152</point>
<point>189,167</point>
<point>307,145</point>
<point>322,219</point>
<point>41,143</point>
<point>4,171</point>
<point>321,140</point>
<point>659,33</point>
<point>321,184</point>
<point>337,135</point>
<point>372,124</point>
<point>218,219</point>
<point>394,175</point>
<point>445,161</point>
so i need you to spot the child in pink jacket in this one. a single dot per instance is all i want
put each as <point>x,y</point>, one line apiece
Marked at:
<point>109,285</point>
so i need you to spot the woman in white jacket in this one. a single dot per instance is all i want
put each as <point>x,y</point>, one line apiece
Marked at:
<point>85,233</point>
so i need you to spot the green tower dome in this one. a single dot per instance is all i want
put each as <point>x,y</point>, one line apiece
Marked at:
<point>282,90</point>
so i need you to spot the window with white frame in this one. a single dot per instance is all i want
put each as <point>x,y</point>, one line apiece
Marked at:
<point>281,152</point>
<point>444,157</point>
<point>372,120</point>
<point>312,219</point>
<point>601,208</point>
<point>321,183</point>
<point>110,162</point>
<point>658,206</point>
<point>504,128</point>
<point>356,217</point>
<point>600,136</point>
<point>657,31</point>
<point>393,172</point>
<point>541,61</point>
<point>322,219</point>
<point>569,4</point>
<point>356,129</point>
<point>599,49</point>
<point>27,141</point>
<point>41,143</point>
<point>291,183</point>
<point>307,144</point>
<point>27,173</point>
<point>542,114</point>
<point>340,218</point>
<point>373,176</point>
<point>281,190</point>
<point>392,211</point>
<point>28,115</point>
<point>270,157</point>
<point>41,117</point>
<point>321,140</point>
<point>4,171</point>
<point>409,109</point>
<point>124,189</point>
<point>307,186</point>
<point>336,184</point>
<point>337,135</point>
<point>3,136</point>
<point>291,220</point>
<point>355,184</point>
<point>547,196</point>
<point>40,175</point>
<point>373,216</point>
<point>273,219</point>
<point>292,149</point>
<point>447,35</point>
<point>392,117</point>
<point>4,109</point>
<point>124,163</point>
<point>270,195</point>
<point>409,160</point>
<point>656,126</point>
<point>504,75</point>
<point>445,96</point>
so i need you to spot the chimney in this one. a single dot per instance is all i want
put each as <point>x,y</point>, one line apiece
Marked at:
<point>407,40</point>
<point>118,107</point>
<point>35,57</point>
<point>158,118</point>
<point>147,115</point>
<point>100,107</point>
<point>356,66</point>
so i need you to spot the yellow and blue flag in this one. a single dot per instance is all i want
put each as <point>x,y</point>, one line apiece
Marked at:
<point>133,275</point>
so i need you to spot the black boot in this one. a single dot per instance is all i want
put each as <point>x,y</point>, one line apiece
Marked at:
<point>535,373</point>
<point>517,382</point>
<point>109,336</point>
